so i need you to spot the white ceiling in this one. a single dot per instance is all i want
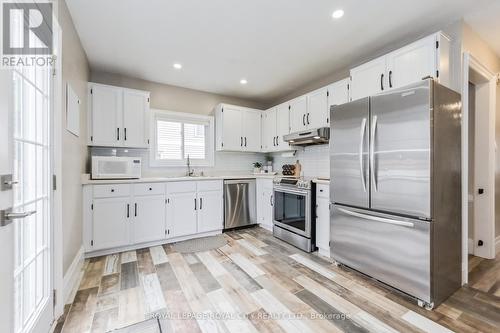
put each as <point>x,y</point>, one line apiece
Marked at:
<point>277,45</point>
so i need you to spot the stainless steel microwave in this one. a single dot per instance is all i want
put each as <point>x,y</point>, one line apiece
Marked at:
<point>113,167</point>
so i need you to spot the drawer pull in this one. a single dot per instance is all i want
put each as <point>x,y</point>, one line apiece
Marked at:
<point>112,190</point>
<point>150,189</point>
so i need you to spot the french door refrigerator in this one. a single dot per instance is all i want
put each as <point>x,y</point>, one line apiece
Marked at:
<point>395,170</point>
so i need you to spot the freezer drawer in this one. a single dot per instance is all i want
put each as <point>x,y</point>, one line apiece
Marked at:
<point>393,250</point>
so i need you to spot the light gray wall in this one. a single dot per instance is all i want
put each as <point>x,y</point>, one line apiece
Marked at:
<point>172,98</point>
<point>75,71</point>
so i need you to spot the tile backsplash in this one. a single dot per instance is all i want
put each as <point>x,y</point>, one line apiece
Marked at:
<point>315,160</point>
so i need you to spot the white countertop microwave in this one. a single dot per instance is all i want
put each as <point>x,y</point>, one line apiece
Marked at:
<point>114,167</point>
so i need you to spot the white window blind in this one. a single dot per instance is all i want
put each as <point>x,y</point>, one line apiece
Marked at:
<point>179,136</point>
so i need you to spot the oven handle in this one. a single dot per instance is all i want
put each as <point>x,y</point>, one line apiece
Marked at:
<point>292,191</point>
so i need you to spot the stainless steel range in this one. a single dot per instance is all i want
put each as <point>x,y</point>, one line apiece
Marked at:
<point>292,216</point>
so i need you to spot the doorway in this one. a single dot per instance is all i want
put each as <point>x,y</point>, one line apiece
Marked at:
<point>479,161</point>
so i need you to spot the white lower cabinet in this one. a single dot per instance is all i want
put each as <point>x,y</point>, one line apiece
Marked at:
<point>111,221</point>
<point>323,219</point>
<point>265,203</point>
<point>128,215</point>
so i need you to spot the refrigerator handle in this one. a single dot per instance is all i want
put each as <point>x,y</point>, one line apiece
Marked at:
<point>372,153</point>
<point>361,145</point>
<point>377,218</point>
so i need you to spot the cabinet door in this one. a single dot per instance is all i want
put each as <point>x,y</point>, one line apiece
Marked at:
<point>267,205</point>
<point>232,135</point>
<point>251,130</point>
<point>338,93</point>
<point>148,218</point>
<point>210,211</point>
<point>181,213</point>
<point>135,110</point>
<point>298,114</point>
<point>269,141</point>
<point>412,63</point>
<point>323,224</point>
<point>317,109</point>
<point>111,222</point>
<point>106,116</point>
<point>282,126</point>
<point>369,79</point>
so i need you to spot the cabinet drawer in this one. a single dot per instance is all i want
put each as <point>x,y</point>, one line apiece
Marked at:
<point>323,191</point>
<point>110,191</point>
<point>210,185</point>
<point>149,189</point>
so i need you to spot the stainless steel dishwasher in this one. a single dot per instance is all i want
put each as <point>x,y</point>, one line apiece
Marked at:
<point>239,203</point>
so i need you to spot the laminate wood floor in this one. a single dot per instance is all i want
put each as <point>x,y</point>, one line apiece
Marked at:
<point>257,283</point>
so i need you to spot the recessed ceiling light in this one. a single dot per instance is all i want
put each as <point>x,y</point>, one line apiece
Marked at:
<point>338,14</point>
<point>243,81</point>
<point>177,66</point>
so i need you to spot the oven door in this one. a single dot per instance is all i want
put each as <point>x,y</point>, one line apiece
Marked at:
<point>292,210</point>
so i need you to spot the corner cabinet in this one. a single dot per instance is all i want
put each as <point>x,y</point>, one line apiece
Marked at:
<point>117,117</point>
<point>429,56</point>
<point>275,125</point>
<point>125,216</point>
<point>237,128</point>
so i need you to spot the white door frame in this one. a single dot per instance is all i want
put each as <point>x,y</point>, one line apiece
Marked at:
<point>485,230</point>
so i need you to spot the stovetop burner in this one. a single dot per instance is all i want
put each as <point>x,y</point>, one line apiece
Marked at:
<point>302,183</point>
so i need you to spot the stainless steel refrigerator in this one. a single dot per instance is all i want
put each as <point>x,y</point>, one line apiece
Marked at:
<point>395,168</point>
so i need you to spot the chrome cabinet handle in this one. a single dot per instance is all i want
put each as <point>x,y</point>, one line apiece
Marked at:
<point>308,119</point>
<point>118,134</point>
<point>128,210</point>
<point>382,82</point>
<point>241,141</point>
<point>361,145</point>
<point>125,133</point>
<point>390,79</point>
<point>377,218</point>
<point>135,209</point>
<point>372,152</point>
<point>304,119</point>
<point>201,203</point>
<point>195,208</point>
<point>245,141</point>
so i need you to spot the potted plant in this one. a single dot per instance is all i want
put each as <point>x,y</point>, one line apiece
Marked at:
<point>256,167</point>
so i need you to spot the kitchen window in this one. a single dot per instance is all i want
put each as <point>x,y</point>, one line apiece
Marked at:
<point>177,136</point>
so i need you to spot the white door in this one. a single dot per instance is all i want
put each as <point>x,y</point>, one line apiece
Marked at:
<point>338,93</point>
<point>111,222</point>
<point>298,114</point>
<point>412,63</point>
<point>282,126</point>
<point>251,129</point>
<point>210,211</point>
<point>26,103</point>
<point>106,116</point>
<point>182,209</point>
<point>231,129</point>
<point>369,79</point>
<point>317,109</point>
<point>135,109</point>
<point>149,219</point>
<point>269,138</point>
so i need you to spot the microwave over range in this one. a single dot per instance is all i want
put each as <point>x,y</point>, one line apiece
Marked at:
<point>115,167</point>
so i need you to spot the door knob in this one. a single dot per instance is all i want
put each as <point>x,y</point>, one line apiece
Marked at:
<point>6,216</point>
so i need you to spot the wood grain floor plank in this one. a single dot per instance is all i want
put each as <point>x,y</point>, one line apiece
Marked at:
<point>153,295</point>
<point>109,284</point>
<point>93,273</point>
<point>246,265</point>
<point>178,307</point>
<point>314,266</point>
<point>263,322</point>
<point>129,275</point>
<point>257,251</point>
<point>211,264</point>
<point>206,280</point>
<point>424,323</point>
<point>82,310</point>
<point>112,264</point>
<point>104,321</point>
<point>158,255</point>
<point>128,256</point>
<point>241,276</point>
<point>256,242</point>
<point>131,307</point>
<point>166,275</point>
<point>145,262</point>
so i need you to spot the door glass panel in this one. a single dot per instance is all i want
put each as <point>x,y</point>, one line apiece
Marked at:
<point>290,209</point>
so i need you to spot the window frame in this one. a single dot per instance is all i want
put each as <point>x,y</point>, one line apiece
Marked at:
<point>182,117</point>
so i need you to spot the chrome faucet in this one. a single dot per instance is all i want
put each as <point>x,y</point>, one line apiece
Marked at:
<point>190,172</point>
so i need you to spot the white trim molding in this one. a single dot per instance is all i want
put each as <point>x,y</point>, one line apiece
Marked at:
<point>73,276</point>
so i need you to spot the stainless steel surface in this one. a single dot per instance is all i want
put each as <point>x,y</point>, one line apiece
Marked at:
<point>6,182</point>
<point>401,150</point>
<point>303,243</point>
<point>349,153</point>
<point>239,203</point>
<point>315,136</point>
<point>409,233</point>
<point>394,254</point>
<point>292,209</point>
<point>7,216</point>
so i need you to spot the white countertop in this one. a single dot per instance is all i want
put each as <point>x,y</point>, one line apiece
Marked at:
<point>87,181</point>
<point>321,181</point>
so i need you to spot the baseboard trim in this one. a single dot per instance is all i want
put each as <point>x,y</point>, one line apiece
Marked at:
<point>72,277</point>
<point>497,245</point>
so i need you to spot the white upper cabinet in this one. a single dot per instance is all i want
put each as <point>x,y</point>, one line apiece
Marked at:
<point>317,109</point>
<point>369,78</point>
<point>282,126</point>
<point>237,128</point>
<point>135,118</point>
<point>106,115</point>
<point>269,128</point>
<point>338,93</point>
<point>426,57</point>
<point>117,117</point>
<point>298,114</point>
